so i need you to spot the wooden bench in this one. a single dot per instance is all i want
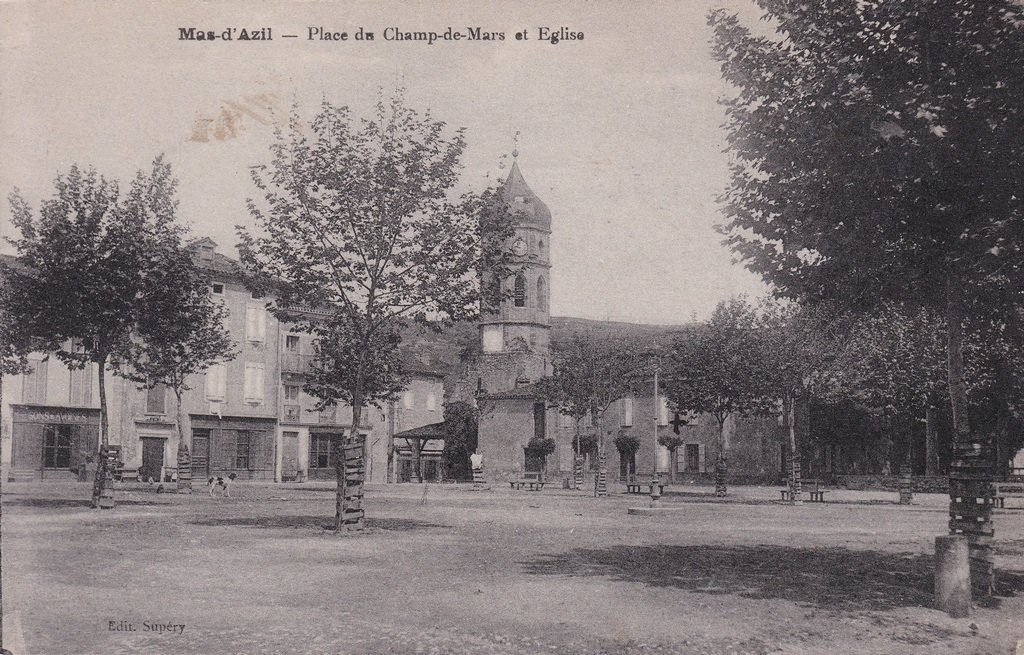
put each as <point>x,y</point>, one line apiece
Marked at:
<point>122,474</point>
<point>1004,490</point>
<point>530,481</point>
<point>637,487</point>
<point>812,488</point>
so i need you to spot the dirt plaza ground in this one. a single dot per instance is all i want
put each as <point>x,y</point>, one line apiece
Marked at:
<point>443,569</point>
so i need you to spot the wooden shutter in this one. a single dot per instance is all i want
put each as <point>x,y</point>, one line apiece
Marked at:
<point>702,465</point>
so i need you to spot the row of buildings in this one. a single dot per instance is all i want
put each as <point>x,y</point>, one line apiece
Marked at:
<point>250,416</point>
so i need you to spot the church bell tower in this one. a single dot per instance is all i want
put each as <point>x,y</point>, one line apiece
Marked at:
<point>515,339</point>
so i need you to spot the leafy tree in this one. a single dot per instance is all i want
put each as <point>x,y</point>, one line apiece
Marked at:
<point>460,438</point>
<point>540,446</point>
<point>360,219</point>
<point>799,345</point>
<point>180,331</point>
<point>589,374</point>
<point>718,368</point>
<point>672,442</point>
<point>878,152</point>
<point>83,268</point>
<point>894,363</point>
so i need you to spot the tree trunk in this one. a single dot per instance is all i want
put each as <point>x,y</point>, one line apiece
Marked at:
<point>417,471</point>
<point>101,464</point>
<point>392,414</point>
<point>970,472</point>
<point>721,467</point>
<point>931,439</point>
<point>2,508</point>
<point>795,485</point>
<point>184,452</point>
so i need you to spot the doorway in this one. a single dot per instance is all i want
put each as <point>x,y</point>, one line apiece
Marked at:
<point>289,455</point>
<point>200,454</point>
<point>152,459</point>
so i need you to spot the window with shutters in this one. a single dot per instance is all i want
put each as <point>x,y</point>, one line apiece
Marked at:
<point>626,412</point>
<point>156,399</point>
<point>216,382</point>
<point>291,391</point>
<point>35,382</point>
<point>253,383</point>
<point>431,402</point>
<point>408,400</point>
<point>81,386</point>
<point>662,410</point>
<point>291,343</point>
<point>255,322</point>
<point>243,444</point>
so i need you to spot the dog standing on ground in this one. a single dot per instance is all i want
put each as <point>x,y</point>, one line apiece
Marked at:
<point>224,484</point>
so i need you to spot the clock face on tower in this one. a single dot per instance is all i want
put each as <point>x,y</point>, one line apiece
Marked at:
<point>519,247</point>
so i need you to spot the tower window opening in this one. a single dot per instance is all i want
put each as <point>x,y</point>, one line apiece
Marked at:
<point>542,295</point>
<point>519,296</point>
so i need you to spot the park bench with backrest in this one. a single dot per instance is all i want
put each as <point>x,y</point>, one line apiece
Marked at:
<point>638,485</point>
<point>813,488</point>
<point>1004,490</point>
<point>530,481</point>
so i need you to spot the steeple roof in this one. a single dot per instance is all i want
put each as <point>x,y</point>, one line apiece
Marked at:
<point>527,207</point>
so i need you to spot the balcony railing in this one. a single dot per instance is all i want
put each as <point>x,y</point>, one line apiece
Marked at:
<point>295,363</point>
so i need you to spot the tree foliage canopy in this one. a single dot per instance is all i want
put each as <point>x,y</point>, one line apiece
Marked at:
<point>718,367</point>
<point>878,147</point>
<point>590,373</point>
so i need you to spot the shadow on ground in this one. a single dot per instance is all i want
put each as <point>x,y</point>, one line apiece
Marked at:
<point>826,578</point>
<point>63,503</point>
<point>318,521</point>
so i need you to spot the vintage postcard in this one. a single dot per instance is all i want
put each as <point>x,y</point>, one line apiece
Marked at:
<point>686,326</point>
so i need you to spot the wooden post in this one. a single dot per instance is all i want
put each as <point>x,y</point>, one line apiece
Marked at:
<point>952,576</point>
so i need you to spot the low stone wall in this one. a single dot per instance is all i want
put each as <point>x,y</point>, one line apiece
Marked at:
<point>921,483</point>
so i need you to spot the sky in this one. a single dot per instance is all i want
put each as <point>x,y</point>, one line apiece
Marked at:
<point>618,132</point>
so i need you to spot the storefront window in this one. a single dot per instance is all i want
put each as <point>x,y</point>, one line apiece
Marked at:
<point>57,447</point>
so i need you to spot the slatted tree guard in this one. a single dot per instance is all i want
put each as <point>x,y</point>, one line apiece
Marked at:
<point>905,485</point>
<point>355,474</point>
<point>795,482</point>
<point>602,475</point>
<point>721,469</point>
<point>577,473</point>
<point>184,470</point>
<point>972,497</point>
